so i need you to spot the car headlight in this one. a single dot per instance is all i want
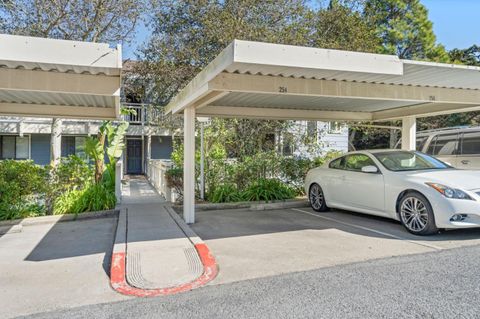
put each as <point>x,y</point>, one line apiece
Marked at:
<point>449,192</point>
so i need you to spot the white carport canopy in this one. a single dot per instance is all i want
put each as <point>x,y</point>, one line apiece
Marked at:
<point>58,78</point>
<point>271,81</point>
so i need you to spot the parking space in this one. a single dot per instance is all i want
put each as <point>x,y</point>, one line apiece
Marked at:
<point>253,244</point>
<point>56,266</point>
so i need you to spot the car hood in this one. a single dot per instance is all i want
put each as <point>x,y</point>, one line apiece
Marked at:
<point>464,179</point>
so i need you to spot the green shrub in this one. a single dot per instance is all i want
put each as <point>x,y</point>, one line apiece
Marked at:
<point>174,178</point>
<point>225,193</point>
<point>71,173</point>
<point>94,197</point>
<point>294,170</point>
<point>259,166</point>
<point>268,190</point>
<point>22,189</point>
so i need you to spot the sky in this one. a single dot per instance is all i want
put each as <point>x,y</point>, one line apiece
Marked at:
<point>455,23</point>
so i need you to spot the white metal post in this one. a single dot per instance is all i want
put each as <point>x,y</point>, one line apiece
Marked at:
<point>189,165</point>
<point>409,131</point>
<point>202,163</point>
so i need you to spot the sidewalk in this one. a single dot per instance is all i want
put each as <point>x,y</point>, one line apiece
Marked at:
<point>161,254</point>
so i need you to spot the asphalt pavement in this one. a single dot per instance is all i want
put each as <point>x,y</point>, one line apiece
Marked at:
<point>438,284</point>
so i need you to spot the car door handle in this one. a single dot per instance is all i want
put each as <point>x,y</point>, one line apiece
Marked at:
<point>465,162</point>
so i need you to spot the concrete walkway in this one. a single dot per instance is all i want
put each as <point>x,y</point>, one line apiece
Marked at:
<point>158,253</point>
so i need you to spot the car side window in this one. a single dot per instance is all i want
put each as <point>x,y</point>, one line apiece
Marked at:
<point>338,163</point>
<point>471,143</point>
<point>355,162</point>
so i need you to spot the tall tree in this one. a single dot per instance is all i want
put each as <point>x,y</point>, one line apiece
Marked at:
<point>469,56</point>
<point>94,21</point>
<point>341,26</point>
<point>404,28</point>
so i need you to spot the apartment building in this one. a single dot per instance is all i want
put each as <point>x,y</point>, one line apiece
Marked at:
<point>30,138</point>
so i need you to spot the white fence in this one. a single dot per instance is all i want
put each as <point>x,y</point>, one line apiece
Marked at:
<point>156,175</point>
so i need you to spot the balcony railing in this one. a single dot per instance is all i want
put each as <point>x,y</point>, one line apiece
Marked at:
<point>142,113</point>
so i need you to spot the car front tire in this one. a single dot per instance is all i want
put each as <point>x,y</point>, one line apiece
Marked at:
<point>317,198</point>
<point>416,214</point>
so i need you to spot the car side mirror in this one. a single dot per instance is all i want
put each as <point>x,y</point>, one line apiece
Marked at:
<point>369,169</point>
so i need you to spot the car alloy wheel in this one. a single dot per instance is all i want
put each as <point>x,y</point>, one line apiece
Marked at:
<point>414,214</point>
<point>317,199</point>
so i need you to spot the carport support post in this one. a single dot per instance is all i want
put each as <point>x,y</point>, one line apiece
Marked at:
<point>409,131</point>
<point>189,165</point>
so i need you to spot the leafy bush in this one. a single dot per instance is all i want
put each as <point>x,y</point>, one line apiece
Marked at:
<point>22,188</point>
<point>294,170</point>
<point>94,197</point>
<point>268,190</point>
<point>174,178</point>
<point>71,173</point>
<point>225,193</point>
<point>259,166</point>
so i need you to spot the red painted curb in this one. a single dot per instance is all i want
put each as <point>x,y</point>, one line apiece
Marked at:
<point>119,283</point>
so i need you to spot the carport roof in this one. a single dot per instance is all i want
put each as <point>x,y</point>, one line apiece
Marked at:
<point>49,77</point>
<point>272,81</point>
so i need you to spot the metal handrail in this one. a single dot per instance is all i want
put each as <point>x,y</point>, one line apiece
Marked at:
<point>144,113</point>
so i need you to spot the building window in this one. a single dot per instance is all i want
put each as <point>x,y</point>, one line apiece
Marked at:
<point>14,147</point>
<point>288,144</point>
<point>73,145</point>
<point>22,147</point>
<point>335,128</point>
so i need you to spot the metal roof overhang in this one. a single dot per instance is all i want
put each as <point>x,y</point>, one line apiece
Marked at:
<point>271,81</point>
<point>59,78</point>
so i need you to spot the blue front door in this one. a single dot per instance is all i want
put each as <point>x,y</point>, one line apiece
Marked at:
<point>134,156</point>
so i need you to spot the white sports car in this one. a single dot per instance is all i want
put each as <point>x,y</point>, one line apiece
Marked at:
<point>424,193</point>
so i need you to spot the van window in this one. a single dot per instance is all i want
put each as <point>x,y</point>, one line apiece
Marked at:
<point>443,145</point>
<point>471,143</point>
<point>421,143</point>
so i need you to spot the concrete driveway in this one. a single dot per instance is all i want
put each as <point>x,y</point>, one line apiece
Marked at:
<point>253,244</point>
<point>56,266</point>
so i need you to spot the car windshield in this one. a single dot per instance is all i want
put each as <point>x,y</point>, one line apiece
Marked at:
<point>409,161</point>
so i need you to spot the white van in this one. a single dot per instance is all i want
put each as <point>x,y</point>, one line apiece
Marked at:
<point>458,146</point>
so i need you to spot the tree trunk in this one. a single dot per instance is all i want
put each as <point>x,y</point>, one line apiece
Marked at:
<point>56,142</point>
<point>393,138</point>
<point>99,162</point>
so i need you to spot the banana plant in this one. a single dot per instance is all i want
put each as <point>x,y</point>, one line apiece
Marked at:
<point>94,147</point>
<point>114,136</point>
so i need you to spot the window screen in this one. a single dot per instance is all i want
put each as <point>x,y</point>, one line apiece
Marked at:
<point>22,147</point>
<point>8,147</point>
<point>80,146</point>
